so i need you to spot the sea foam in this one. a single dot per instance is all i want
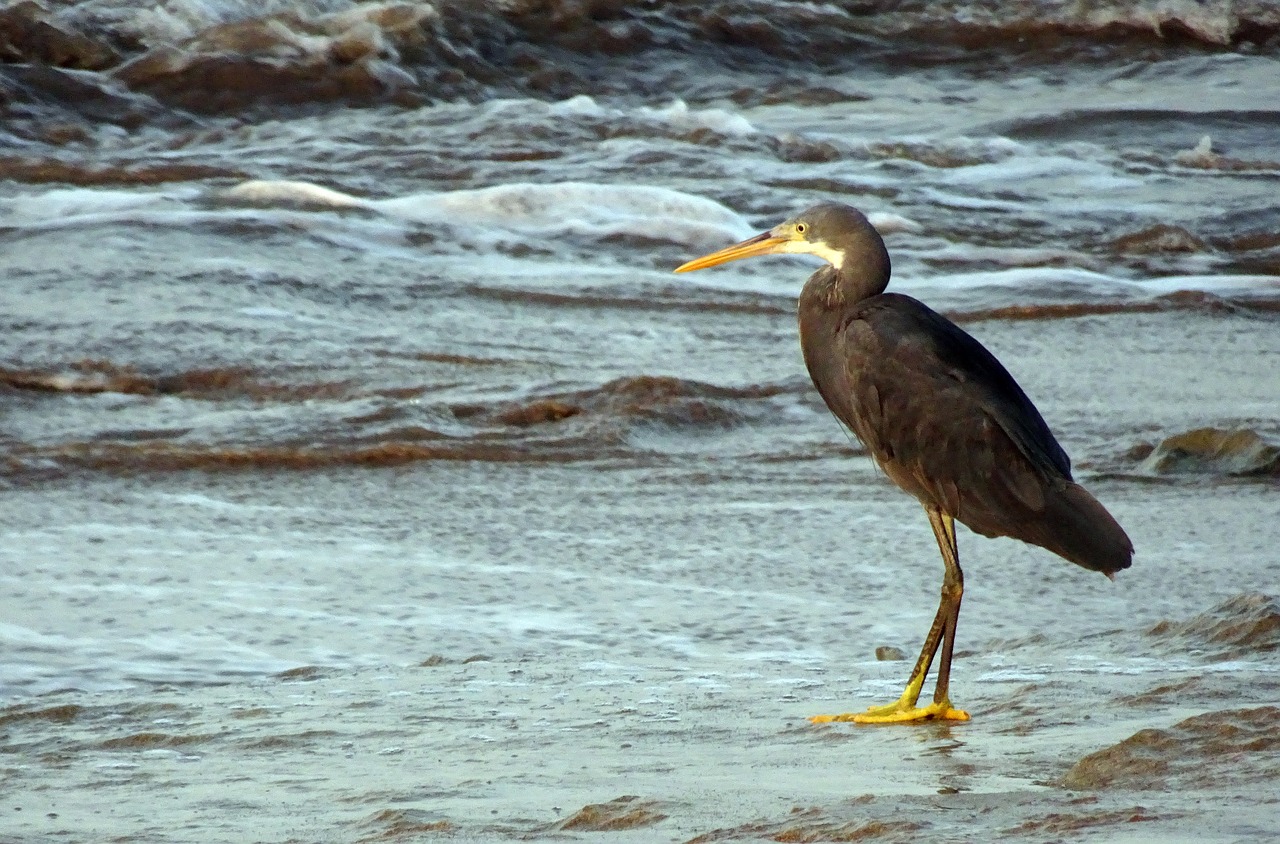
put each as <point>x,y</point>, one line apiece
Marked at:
<point>579,208</point>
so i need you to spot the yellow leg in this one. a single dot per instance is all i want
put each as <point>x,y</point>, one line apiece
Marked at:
<point>942,633</point>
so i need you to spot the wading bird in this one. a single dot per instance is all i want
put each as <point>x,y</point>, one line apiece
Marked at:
<point>939,414</point>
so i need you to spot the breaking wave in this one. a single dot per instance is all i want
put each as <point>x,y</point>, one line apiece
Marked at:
<point>228,55</point>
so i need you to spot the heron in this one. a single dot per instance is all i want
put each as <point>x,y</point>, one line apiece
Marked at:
<point>941,417</point>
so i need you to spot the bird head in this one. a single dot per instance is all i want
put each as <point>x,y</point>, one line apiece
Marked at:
<point>830,230</point>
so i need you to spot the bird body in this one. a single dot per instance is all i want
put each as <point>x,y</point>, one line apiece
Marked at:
<point>939,414</point>
<point>948,424</point>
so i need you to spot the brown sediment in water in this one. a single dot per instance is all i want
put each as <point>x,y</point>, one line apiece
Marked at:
<point>163,457</point>
<point>301,674</point>
<point>672,401</point>
<point>626,812</point>
<point>1065,310</point>
<point>55,714</point>
<point>1165,693</point>
<point>1161,237</point>
<point>641,390</point>
<point>1183,300</point>
<point>214,84</point>
<point>148,741</point>
<point>282,59</point>
<point>526,432</point>
<point>405,824</point>
<point>1256,251</point>
<point>1205,159</point>
<point>1242,625</point>
<point>812,825</point>
<point>1056,823</point>
<point>1249,241</point>
<point>538,412</point>
<point>936,155</point>
<point>794,149</point>
<point>1202,752</point>
<point>101,376</point>
<point>43,170</point>
<point>253,712</point>
<point>830,186</point>
<point>1240,452</point>
<point>795,91</point>
<point>293,741</point>
<point>1042,34</point>
<point>461,360</point>
<point>28,35</point>
<point>740,304</point>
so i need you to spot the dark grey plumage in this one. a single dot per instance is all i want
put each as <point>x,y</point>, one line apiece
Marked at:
<point>939,414</point>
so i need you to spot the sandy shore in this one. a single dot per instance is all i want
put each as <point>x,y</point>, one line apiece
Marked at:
<point>564,733</point>
<point>485,749</point>
<point>498,651</point>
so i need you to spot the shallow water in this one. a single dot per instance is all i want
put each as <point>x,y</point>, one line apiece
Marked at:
<point>368,475</point>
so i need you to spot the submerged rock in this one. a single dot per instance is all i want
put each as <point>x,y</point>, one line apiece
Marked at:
<point>1206,751</point>
<point>1244,624</point>
<point>1215,451</point>
<point>31,34</point>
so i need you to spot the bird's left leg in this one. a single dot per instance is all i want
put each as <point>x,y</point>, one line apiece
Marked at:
<point>942,633</point>
<point>944,529</point>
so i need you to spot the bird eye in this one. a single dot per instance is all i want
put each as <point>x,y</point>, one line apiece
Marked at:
<point>801,228</point>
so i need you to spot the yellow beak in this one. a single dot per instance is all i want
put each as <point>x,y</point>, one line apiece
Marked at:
<point>762,244</point>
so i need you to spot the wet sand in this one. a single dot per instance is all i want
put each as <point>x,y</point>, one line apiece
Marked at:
<point>493,749</point>
<point>537,651</point>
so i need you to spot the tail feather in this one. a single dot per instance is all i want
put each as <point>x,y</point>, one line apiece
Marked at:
<point>1076,527</point>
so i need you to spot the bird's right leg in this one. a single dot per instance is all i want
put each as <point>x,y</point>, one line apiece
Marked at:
<point>941,633</point>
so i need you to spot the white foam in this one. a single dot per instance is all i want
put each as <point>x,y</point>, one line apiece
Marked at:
<point>1214,22</point>
<point>181,21</point>
<point>1203,156</point>
<point>1064,278</point>
<point>1026,278</point>
<point>581,106</point>
<point>676,114</point>
<point>264,312</point>
<point>1024,168</point>
<point>887,222</point>
<point>477,218</point>
<point>946,252</point>
<point>1220,284</point>
<point>578,208</point>
<point>17,636</point>
<point>680,115</point>
<point>262,192</point>
<point>1080,178</point>
<point>67,204</point>
<point>969,202</point>
<point>196,499</point>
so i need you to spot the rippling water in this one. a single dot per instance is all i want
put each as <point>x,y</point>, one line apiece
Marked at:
<point>340,340</point>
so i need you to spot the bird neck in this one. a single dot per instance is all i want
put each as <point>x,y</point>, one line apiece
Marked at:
<point>831,289</point>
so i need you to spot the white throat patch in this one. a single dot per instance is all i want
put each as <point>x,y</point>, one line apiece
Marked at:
<point>834,257</point>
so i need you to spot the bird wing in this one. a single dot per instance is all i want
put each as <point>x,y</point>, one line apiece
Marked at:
<point>941,415</point>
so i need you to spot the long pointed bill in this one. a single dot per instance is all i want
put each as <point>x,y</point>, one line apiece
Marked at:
<point>762,244</point>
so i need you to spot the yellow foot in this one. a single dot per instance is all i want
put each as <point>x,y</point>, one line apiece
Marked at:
<point>897,713</point>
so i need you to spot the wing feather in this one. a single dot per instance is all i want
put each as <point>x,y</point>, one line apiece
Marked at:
<point>943,417</point>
